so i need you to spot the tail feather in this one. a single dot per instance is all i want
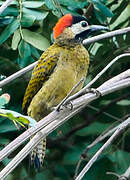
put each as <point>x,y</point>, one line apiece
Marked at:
<point>38,154</point>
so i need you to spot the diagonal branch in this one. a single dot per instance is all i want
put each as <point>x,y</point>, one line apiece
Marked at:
<point>97,140</point>
<point>124,176</point>
<point>83,90</point>
<point>56,119</point>
<point>17,74</point>
<point>87,41</point>
<point>5,5</point>
<point>123,126</point>
<point>106,35</point>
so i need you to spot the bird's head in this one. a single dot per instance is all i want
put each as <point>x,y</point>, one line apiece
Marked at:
<point>75,27</point>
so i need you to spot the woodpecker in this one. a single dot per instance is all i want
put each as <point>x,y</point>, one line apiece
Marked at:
<point>59,68</point>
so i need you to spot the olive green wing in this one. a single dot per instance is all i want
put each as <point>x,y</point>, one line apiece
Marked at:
<point>40,74</point>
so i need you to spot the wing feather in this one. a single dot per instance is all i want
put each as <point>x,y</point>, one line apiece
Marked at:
<point>45,66</point>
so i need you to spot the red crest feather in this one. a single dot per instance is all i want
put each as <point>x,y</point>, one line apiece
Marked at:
<point>62,23</point>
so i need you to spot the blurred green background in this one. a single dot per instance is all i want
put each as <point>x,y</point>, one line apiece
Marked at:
<point>25,32</point>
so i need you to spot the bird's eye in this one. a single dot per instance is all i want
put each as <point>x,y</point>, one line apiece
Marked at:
<point>84,24</point>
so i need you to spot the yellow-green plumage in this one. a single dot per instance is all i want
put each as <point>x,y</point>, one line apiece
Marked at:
<point>60,67</point>
<point>40,74</point>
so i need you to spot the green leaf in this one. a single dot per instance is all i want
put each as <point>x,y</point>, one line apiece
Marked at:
<point>122,17</point>
<point>35,39</point>
<point>101,18</point>
<point>24,50</point>
<point>39,15</point>
<point>99,169</point>
<point>5,21</point>
<point>124,102</point>
<point>95,48</point>
<point>74,4</point>
<point>17,117</point>
<point>25,54</point>
<point>10,11</point>
<point>35,52</point>
<point>102,8</point>
<point>4,141</point>
<point>16,39</point>
<point>33,4</point>
<point>11,3</point>
<point>9,30</point>
<point>115,5</point>
<point>6,126</point>
<point>71,157</point>
<point>95,128</point>
<point>50,5</point>
<point>27,20</point>
<point>0,91</point>
<point>122,159</point>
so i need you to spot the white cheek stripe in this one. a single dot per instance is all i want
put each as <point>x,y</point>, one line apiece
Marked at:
<point>77,28</point>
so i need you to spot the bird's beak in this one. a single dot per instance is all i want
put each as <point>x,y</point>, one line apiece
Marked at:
<point>94,28</point>
<point>90,30</point>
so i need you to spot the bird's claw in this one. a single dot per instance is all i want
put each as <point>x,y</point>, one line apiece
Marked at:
<point>95,91</point>
<point>56,109</point>
<point>69,105</point>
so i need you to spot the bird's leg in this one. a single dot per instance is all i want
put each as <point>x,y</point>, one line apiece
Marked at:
<point>68,95</point>
<point>69,105</point>
<point>93,90</point>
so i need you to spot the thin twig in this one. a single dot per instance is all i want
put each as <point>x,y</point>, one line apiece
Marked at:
<point>54,120</point>
<point>5,5</point>
<point>20,17</point>
<point>52,116</point>
<point>59,7</point>
<point>69,94</point>
<point>79,127</point>
<point>113,173</point>
<point>124,176</point>
<point>123,126</point>
<point>17,74</point>
<point>106,35</point>
<point>97,77</point>
<point>97,140</point>
<point>88,41</point>
<point>105,113</point>
<point>124,96</point>
<point>127,173</point>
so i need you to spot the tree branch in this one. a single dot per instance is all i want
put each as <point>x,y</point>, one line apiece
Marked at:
<point>123,126</point>
<point>124,176</point>
<point>106,35</point>
<point>17,74</point>
<point>97,140</point>
<point>5,5</point>
<point>85,42</point>
<point>82,125</point>
<point>55,119</point>
<point>124,96</point>
<point>83,90</point>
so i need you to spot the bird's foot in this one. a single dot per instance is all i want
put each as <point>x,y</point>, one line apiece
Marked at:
<point>95,91</point>
<point>69,105</point>
<point>54,108</point>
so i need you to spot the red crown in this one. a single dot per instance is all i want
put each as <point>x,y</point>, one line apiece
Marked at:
<point>62,23</point>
